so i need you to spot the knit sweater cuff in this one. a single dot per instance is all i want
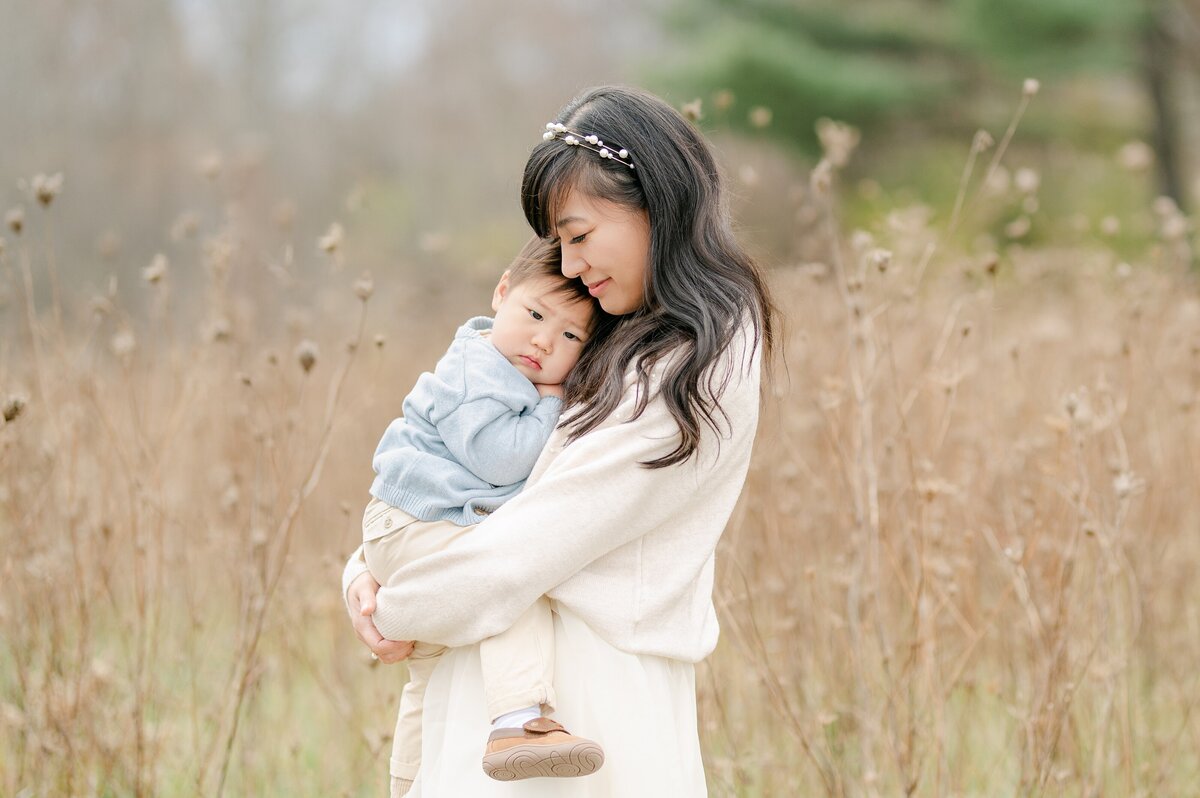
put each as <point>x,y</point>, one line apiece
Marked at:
<point>389,619</point>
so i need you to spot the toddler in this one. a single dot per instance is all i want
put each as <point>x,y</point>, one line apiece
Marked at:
<point>470,435</point>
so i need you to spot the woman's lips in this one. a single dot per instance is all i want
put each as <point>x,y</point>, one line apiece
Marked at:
<point>533,364</point>
<point>595,289</point>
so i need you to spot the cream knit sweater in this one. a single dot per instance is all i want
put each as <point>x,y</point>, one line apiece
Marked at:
<point>629,549</point>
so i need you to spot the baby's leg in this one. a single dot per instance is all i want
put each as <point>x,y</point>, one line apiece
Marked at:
<point>518,682</point>
<point>391,539</point>
<point>518,664</point>
<point>406,742</point>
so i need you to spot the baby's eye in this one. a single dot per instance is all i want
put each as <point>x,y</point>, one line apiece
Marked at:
<point>579,238</point>
<point>535,314</point>
<point>570,336</point>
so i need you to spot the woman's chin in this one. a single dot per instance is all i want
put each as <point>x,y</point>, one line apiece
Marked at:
<point>617,305</point>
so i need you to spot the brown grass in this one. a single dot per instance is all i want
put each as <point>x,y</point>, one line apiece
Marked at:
<point>964,562</point>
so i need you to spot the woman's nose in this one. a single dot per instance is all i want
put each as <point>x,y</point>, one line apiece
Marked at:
<point>573,265</point>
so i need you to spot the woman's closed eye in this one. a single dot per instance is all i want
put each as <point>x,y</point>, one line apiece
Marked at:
<point>579,238</point>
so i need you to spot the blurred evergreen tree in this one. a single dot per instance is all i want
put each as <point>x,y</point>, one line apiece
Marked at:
<point>878,62</point>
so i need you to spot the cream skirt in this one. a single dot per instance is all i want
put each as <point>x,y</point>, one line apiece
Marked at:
<point>640,708</point>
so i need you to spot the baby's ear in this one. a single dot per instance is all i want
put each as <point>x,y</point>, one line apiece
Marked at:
<point>500,292</point>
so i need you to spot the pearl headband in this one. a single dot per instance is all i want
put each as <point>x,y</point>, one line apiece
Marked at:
<point>613,152</point>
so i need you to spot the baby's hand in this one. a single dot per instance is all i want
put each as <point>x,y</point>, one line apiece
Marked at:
<point>549,390</point>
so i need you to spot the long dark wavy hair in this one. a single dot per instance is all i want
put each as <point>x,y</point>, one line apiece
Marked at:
<point>701,286</point>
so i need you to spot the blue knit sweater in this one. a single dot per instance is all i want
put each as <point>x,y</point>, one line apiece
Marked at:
<point>469,437</point>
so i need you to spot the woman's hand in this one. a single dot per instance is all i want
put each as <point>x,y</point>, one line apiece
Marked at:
<point>361,600</point>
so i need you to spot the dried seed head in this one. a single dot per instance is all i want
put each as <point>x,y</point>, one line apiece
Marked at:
<point>46,187</point>
<point>156,270</point>
<point>1164,206</point>
<point>1174,227</point>
<point>861,240</point>
<point>332,240</point>
<point>983,141</point>
<point>1135,156</point>
<point>284,214</point>
<point>380,341</point>
<point>692,111</point>
<point>723,99</point>
<point>100,306</point>
<point>1124,270</point>
<point>12,407</point>
<point>210,166</point>
<point>258,537</point>
<point>748,175</point>
<point>306,355</point>
<point>1018,227</point>
<point>123,344</point>
<point>760,116</point>
<point>218,329</point>
<point>186,225</point>
<point>1127,483</point>
<point>1110,226</point>
<point>991,262</point>
<point>108,245</point>
<point>821,179</point>
<point>880,259</point>
<point>838,140</point>
<point>1031,87</point>
<point>1027,180</point>
<point>364,286</point>
<point>15,219</point>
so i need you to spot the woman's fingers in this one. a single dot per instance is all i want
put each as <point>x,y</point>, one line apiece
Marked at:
<point>386,651</point>
<point>393,651</point>
<point>360,599</point>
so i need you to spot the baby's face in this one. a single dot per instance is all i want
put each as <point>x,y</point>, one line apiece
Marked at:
<point>539,330</point>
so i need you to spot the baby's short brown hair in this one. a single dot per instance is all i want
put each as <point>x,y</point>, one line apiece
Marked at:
<point>541,257</point>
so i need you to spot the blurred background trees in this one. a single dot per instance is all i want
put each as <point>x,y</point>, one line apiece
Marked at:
<point>409,121</point>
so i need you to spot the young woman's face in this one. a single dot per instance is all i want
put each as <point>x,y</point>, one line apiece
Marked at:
<point>607,246</point>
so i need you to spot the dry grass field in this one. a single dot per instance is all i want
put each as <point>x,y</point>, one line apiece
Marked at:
<point>964,564</point>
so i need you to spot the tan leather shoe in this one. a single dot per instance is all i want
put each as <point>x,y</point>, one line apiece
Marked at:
<point>542,747</point>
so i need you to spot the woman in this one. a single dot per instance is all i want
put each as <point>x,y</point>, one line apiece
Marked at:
<point>619,521</point>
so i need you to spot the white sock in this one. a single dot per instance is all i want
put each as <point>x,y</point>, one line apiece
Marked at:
<point>517,718</point>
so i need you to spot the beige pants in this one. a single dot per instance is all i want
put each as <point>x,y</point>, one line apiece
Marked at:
<point>518,664</point>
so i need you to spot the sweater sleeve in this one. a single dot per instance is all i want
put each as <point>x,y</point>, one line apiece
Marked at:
<point>593,498</point>
<point>495,442</point>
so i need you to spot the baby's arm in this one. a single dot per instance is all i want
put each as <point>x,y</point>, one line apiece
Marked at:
<point>497,443</point>
<point>489,416</point>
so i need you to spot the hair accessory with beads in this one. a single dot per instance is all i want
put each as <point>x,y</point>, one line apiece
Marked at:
<point>613,152</point>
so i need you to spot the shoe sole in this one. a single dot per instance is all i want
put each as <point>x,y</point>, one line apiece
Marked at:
<point>525,761</point>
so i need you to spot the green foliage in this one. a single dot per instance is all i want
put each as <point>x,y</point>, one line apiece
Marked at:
<point>804,63</point>
<point>1052,37</point>
<point>873,62</point>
